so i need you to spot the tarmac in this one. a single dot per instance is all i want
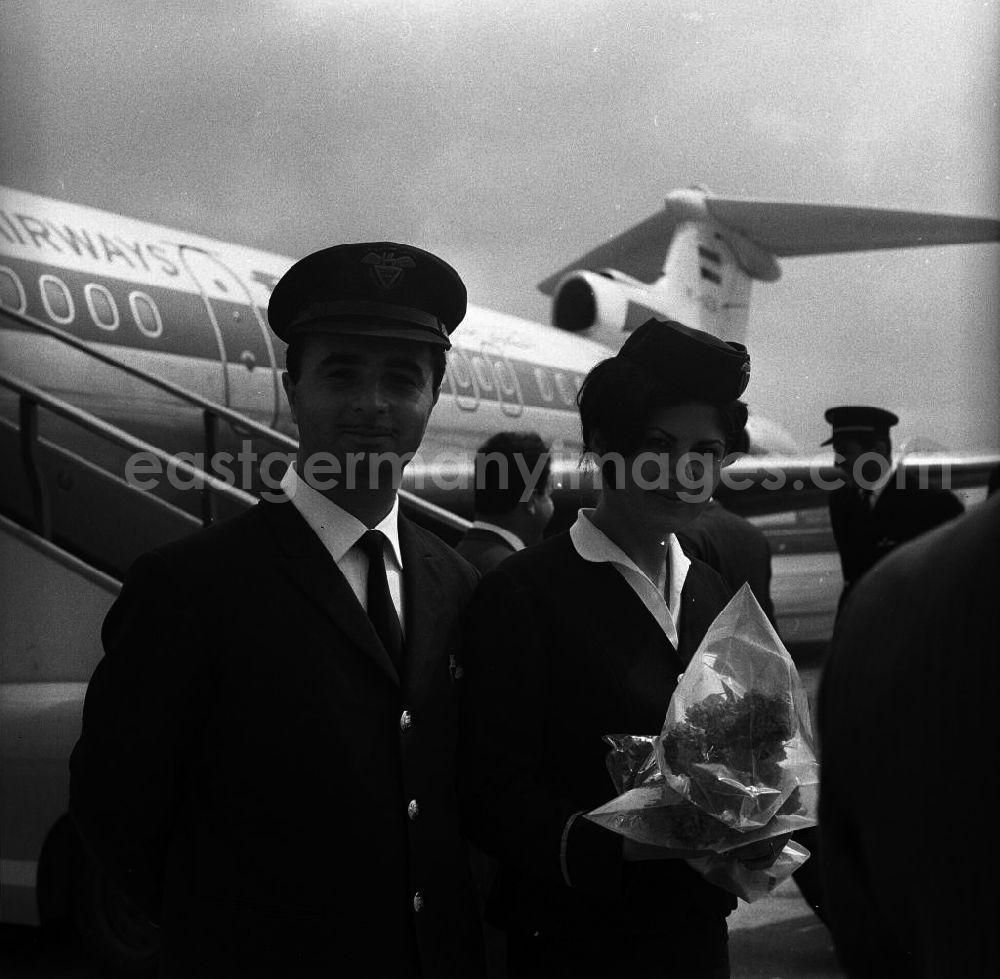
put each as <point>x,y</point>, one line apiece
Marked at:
<point>779,937</point>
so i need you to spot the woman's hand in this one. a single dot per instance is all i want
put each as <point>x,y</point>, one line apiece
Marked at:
<point>763,853</point>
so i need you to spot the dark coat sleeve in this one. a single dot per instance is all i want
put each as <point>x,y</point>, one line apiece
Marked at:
<point>854,532</point>
<point>144,705</point>
<point>511,807</point>
<point>941,506</point>
<point>483,554</point>
<point>907,693</point>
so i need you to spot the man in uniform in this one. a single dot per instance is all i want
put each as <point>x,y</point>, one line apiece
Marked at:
<point>512,498</point>
<point>267,763</point>
<point>878,507</point>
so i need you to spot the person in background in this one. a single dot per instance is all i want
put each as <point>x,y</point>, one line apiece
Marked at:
<point>586,634</point>
<point>734,546</point>
<point>267,761</point>
<point>513,502</point>
<point>906,707</point>
<point>513,505</point>
<point>878,507</point>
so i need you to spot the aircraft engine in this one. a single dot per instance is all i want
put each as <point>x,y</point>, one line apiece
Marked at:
<point>604,306</point>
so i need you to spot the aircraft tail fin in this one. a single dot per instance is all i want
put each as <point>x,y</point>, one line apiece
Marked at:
<point>703,283</point>
<point>678,264</point>
<point>696,260</point>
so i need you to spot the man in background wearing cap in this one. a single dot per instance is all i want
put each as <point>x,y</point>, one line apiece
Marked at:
<point>877,508</point>
<point>267,764</point>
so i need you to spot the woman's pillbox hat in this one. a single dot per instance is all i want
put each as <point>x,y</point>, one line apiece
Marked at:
<point>377,288</point>
<point>689,362</point>
<point>860,421</point>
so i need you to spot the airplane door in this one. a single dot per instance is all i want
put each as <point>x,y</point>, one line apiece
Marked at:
<point>251,380</point>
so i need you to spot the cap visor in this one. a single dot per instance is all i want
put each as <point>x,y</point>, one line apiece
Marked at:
<point>416,334</point>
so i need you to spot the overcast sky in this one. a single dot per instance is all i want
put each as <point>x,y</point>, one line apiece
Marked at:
<point>513,137</point>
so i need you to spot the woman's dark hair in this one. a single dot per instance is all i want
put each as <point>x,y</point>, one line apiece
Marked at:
<point>293,362</point>
<point>617,398</point>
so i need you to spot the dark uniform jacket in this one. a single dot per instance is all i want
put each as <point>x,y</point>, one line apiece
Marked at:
<point>735,547</point>
<point>906,719</point>
<point>483,549</point>
<point>865,533</point>
<point>256,774</point>
<point>560,652</point>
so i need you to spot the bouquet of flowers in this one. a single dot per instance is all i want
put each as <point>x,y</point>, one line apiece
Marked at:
<point>734,762</point>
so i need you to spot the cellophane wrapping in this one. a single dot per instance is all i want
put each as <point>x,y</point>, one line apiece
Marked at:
<point>734,762</point>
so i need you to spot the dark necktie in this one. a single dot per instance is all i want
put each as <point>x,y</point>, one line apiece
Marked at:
<point>381,610</point>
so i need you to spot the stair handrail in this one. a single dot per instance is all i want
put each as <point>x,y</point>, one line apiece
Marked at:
<point>185,394</point>
<point>214,410</point>
<point>30,397</point>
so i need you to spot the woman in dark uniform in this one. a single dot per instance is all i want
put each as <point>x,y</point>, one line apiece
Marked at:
<point>585,635</point>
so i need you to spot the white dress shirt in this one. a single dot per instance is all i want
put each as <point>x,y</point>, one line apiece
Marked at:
<point>339,532</point>
<point>508,535</point>
<point>594,545</point>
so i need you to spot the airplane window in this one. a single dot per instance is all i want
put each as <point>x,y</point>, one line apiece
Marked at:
<point>145,314</point>
<point>56,299</point>
<point>11,291</point>
<point>483,374</point>
<point>102,306</point>
<point>565,388</point>
<point>545,384</point>
<point>508,380</point>
<point>458,366</point>
<point>463,381</point>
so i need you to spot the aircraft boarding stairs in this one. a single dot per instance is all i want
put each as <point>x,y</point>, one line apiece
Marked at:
<point>64,470</point>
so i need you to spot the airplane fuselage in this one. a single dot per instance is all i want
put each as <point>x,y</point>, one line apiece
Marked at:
<point>193,310</point>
